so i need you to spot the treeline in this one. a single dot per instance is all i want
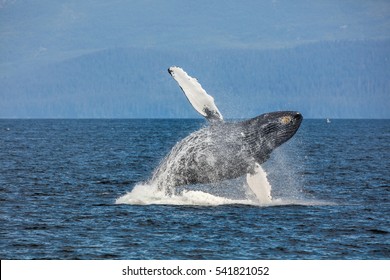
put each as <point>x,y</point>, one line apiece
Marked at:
<point>326,79</point>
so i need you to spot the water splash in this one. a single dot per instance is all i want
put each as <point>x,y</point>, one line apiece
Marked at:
<point>226,193</point>
<point>146,194</point>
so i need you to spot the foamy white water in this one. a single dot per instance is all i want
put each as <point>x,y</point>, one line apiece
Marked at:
<point>148,194</point>
<point>144,194</point>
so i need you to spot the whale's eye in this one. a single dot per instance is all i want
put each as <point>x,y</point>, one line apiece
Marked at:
<point>285,119</point>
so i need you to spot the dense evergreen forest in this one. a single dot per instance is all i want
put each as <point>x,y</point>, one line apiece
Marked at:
<point>341,79</point>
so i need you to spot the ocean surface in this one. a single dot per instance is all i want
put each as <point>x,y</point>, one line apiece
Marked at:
<point>77,189</point>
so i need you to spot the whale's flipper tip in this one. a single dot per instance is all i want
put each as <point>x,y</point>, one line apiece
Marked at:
<point>202,102</point>
<point>259,185</point>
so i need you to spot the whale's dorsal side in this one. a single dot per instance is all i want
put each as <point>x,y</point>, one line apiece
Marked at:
<point>202,102</point>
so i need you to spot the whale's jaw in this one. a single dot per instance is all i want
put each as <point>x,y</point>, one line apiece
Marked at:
<point>268,131</point>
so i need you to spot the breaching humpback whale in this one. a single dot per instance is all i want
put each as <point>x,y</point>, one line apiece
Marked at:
<point>223,150</point>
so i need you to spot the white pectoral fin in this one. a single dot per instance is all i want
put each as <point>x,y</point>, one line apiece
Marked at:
<point>259,185</point>
<point>198,97</point>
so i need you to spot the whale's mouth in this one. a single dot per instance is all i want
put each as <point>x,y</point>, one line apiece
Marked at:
<point>280,127</point>
<point>275,124</point>
<point>268,131</point>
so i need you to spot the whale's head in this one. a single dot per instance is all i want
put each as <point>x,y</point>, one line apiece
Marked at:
<point>266,132</point>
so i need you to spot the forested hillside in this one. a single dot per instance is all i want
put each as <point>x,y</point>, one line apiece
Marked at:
<point>320,80</point>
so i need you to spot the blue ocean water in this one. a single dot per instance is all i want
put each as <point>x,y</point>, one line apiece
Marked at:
<point>61,181</point>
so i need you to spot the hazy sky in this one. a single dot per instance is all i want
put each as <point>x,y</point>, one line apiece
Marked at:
<point>33,27</point>
<point>35,34</point>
